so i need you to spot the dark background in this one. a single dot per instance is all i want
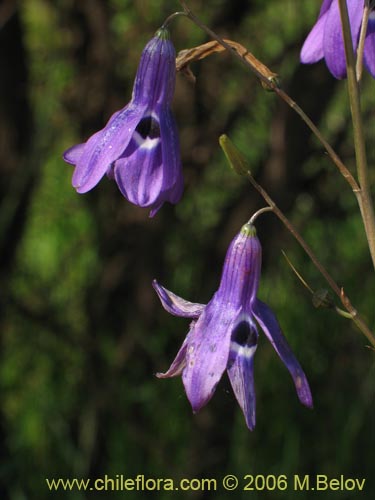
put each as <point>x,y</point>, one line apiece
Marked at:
<point>82,332</point>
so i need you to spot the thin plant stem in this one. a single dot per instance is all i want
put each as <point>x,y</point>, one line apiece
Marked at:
<point>361,42</point>
<point>272,84</point>
<point>367,207</point>
<point>240,165</point>
<point>331,152</point>
<point>259,212</point>
<point>171,17</point>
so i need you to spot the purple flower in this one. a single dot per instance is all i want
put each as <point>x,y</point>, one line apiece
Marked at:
<point>224,334</point>
<point>139,146</point>
<point>325,40</point>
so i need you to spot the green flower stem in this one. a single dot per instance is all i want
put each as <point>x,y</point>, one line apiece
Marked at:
<point>171,17</point>
<point>241,167</point>
<point>259,212</point>
<point>366,205</point>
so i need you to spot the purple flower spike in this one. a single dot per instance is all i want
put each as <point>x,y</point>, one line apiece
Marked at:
<point>224,334</point>
<point>139,146</point>
<point>325,40</point>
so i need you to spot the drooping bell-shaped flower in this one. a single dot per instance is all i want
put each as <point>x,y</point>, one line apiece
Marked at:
<point>325,40</point>
<point>139,146</point>
<point>224,333</point>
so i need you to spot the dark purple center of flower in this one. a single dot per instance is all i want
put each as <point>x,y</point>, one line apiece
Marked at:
<point>244,334</point>
<point>148,127</point>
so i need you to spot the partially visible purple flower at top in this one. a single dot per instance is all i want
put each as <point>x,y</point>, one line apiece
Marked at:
<point>325,40</point>
<point>139,146</point>
<point>224,335</point>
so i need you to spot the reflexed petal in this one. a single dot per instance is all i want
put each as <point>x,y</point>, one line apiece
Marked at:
<point>104,147</point>
<point>271,328</point>
<point>73,154</point>
<point>369,55</point>
<point>176,305</point>
<point>179,362</point>
<point>334,51</point>
<point>207,353</point>
<point>241,367</point>
<point>312,49</point>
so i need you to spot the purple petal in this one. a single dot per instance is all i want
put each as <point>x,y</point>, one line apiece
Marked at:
<point>153,90</point>
<point>271,328</point>
<point>149,172</point>
<point>105,146</point>
<point>171,152</point>
<point>139,173</point>
<point>241,367</point>
<point>241,272</point>
<point>208,351</point>
<point>333,43</point>
<point>155,80</point>
<point>73,154</point>
<point>176,305</point>
<point>369,55</point>
<point>172,182</point>
<point>312,49</point>
<point>325,7</point>
<point>179,362</point>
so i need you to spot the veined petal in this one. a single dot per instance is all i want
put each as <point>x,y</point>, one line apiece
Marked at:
<point>170,151</point>
<point>241,366</point>
<point>139,171</point>
<point>333,43</point>
<point>207,353</point>
<point>155,80</point>
<point>105,146</point>
<point>312,49</point>
<point>241,272</point>
<point>173,181</point>
<point>369,54</point>
<point>176,305</point>
<point>271,328</point>
<point>149,171</point>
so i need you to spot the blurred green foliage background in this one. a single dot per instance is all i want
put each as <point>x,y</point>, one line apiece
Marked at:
<point>81,330</point>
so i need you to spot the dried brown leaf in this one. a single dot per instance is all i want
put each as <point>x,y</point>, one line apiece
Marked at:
<point>187,56</point>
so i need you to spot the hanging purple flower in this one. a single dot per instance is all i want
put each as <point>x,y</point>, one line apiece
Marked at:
<point>325,40</point>
<point>224,334</point>
<point>139,146</point>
